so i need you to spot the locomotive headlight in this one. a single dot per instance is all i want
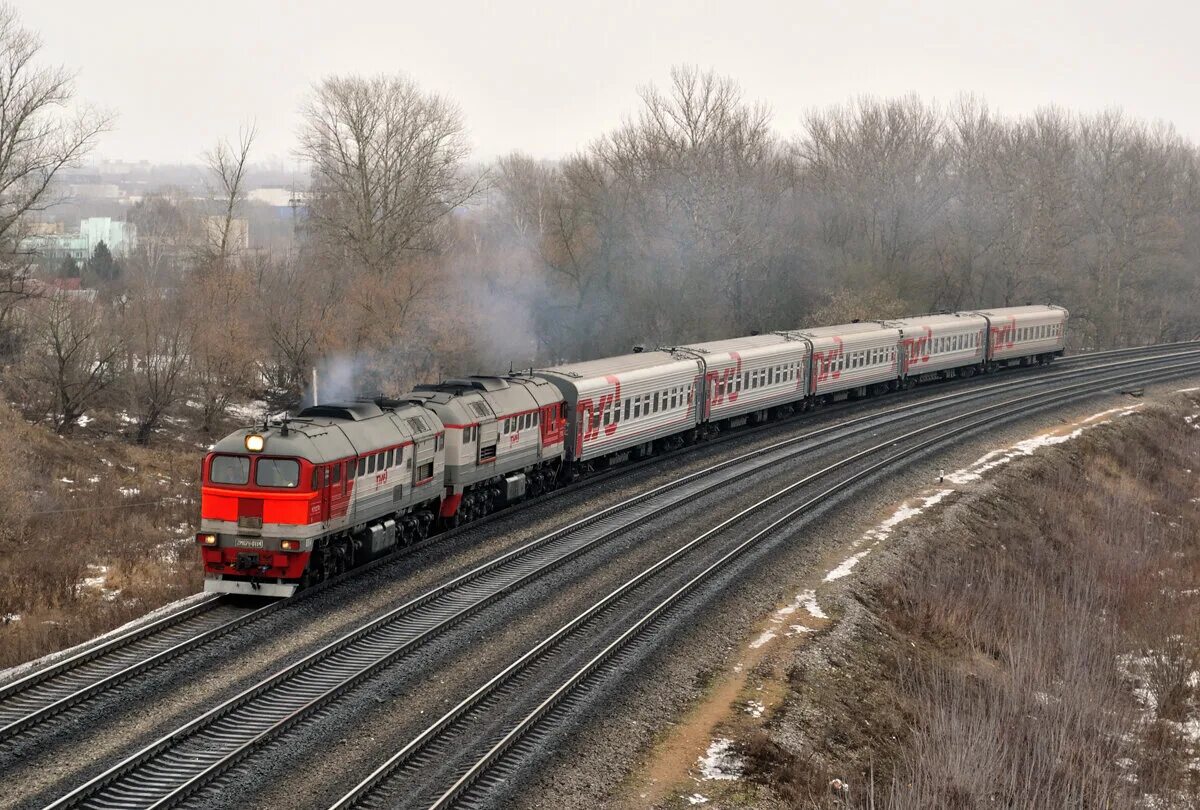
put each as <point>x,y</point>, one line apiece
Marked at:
<point>206,539</point>
<point>289,545</point>
<point>255,443</point>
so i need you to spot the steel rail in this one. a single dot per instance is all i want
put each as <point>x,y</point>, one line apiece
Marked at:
<point>27,701</point>
<point>950,428</point>
<point>348,671</point>
<point>48,697</point>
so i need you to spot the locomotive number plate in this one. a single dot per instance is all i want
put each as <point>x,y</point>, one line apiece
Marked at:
<point>249,542</point>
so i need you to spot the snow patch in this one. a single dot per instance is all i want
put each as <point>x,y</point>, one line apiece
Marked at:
<point>766,636</point>
<point>844,568</point>
<point>248,412</point>
<point>719,762</point>
<point>997,458</point>
<point>696,798</point>
<point>809,602</point>
<point>129,492</point>
<point>755,708</point>
<point>66,480</point>
<point>83,420</point>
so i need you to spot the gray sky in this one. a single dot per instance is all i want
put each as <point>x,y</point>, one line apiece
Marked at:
<point>548,77</point>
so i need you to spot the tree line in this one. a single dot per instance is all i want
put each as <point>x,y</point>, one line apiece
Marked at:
<point>695,218</point>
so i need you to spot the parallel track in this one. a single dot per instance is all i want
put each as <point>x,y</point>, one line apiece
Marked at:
<point>42,694</point>
<point>181,762</point>
<point>464,746</point>
<point>46,692</point>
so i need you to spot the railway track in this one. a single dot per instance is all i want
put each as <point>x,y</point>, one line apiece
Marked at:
<point>38,696</point>
<point>46,692</point>
<point>176,765</point>
<point>476,746</point>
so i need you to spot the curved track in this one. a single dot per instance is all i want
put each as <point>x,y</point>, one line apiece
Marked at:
<point>176,765</point>
<point>44,693</point>
<point>476,745</point>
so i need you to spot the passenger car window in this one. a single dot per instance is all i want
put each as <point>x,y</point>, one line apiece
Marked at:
<point>229,470</point>
<point>277,472</point>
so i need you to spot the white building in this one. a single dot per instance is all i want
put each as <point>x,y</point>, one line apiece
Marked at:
<point>119,236</point>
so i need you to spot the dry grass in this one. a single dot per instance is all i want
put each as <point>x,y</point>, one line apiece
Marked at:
<point>56,535</point>
<point>1042,650</point>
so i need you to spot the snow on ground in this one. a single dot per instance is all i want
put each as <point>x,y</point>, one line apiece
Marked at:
<point>66,480</point>
<point>755,708</point>
<point>906,511</point>
<point>766,636</point>
<point>21,670</point>
<point>881,532</point>
<point>719,762</point>
<point>83,420</point>
<point>697,798</point>
<point>129,492</point>
<point>998,458</point>
<point>248,412</point>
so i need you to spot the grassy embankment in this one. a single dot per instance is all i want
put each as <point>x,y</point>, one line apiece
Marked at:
<point>94,531</point>
<point>1038,647</point>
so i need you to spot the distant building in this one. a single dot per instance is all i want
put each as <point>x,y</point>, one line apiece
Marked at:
<point>119,236</point>
<point>239,233</point>
<point>274,197</point>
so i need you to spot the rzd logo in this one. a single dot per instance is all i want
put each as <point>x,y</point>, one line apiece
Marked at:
<point>591,414</point>
<point>1003,337</point>
<point>721,383</point>
<point>917,349</point>
<point>825,362</point>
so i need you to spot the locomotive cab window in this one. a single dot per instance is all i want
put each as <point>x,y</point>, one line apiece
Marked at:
<point>277,472</point>
<point>229,470</point>
<point>337,474</point>
<point>390,458</point>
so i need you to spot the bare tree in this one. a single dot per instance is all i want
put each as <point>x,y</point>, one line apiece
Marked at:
<point>39,135</point>
<point>159,337</point>
<point>387,163</point>
<point>71,358</point>
<point>227,164</point>
<point>223,346</point>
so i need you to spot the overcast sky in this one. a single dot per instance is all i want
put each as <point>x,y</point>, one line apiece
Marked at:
<point>548,77</point>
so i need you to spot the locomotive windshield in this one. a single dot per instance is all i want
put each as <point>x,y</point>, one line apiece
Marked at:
<point>277,472</point>
<point>230,470</point>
